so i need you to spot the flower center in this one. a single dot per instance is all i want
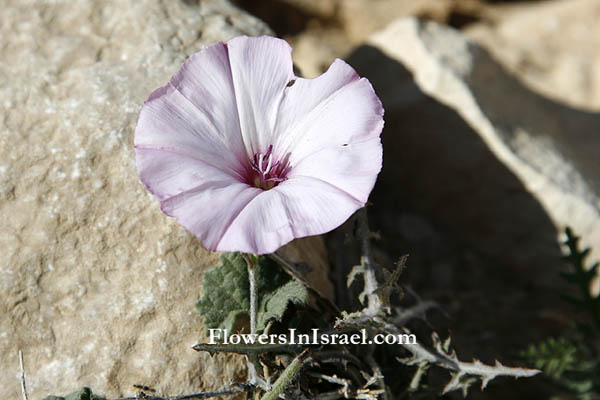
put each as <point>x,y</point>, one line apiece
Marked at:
<point>265,171</point>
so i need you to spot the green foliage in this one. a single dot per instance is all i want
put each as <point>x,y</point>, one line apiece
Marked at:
<point>573,364</point>
<point>82,394</point>
<point>566,364</point>
<point>582,277</point>
<point>273,305</point>
<point>225,301</point>
<point>554,357</point>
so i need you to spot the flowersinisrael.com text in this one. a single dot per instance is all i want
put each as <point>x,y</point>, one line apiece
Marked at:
<point>313,338</point>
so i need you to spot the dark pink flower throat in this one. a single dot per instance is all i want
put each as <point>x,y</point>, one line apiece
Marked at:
<point>266,171</point>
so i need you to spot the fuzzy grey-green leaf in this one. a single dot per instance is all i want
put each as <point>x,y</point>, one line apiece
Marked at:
<point>226,290</point>
<point>273,305</point>
<point>225,301</point>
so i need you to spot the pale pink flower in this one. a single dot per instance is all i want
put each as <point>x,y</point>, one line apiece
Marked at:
<point>247,156</point>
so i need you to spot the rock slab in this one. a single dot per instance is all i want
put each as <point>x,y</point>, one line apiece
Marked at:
<point>98,286</point>
<point>552,46</point>
<point>513,142</point>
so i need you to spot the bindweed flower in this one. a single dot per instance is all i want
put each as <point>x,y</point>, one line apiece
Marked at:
<point>247,156</point>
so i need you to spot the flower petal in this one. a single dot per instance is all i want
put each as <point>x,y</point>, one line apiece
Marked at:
<point>209,209</point>
<point>296,208</point>
<point>334,109</point>
<point>205,80</point>
<point>168,121</point>
<point>330,128</point>
<point>352,168</point>
<point>167,173</point>
<point>196,135</point>
<point>195,113</point>
<point>261,69</point>
<point>305,95</point>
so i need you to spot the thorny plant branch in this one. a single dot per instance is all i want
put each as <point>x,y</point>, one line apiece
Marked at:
<point>378,376</point>
<point>418,310</point>
<point>442,356</point>
<point>287,376</point>
<point>345,391</point>
<point>374,303</point>
<point>371,285</point>
<point>373,316</point>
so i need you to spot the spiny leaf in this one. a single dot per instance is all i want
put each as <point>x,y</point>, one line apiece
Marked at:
<point>390,284</point>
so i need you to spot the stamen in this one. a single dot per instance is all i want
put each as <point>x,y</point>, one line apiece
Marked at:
<point>266,171</point>
<point>269,164</point>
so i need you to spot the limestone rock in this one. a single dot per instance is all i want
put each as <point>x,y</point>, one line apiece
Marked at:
<point>320,8</point>
<point>552,46</point>
<point>500,166</point>
<point>98,286</point>
<point>362,18</point>
<point>359,18</point>
<point>333,28</point>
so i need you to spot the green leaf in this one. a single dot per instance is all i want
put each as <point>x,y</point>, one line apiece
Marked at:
<point>554,356</point>
<point>225,302</point>
<point>273,305</point>
<point>226,291</point>
<point>566,364</point>
<point>582,277</point>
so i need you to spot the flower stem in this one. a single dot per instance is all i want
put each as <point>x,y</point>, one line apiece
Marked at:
<point>286,377</point>
<point>252,277</point>
<point>252,263</point>
<point>371,284</point>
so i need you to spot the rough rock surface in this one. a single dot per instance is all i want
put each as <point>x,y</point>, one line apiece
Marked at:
<point>552,46</point>
<point>98,286</point>
<point>550,148</point>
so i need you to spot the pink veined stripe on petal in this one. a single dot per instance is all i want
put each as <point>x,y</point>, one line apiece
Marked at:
<point>194,189</point>
<point>258,80</point>
<point>329,184</point>
<point>169,120</point>
<point>175,151</point>
<point>215,97</point>
<point>239,157</point>
<point>234,218</point>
